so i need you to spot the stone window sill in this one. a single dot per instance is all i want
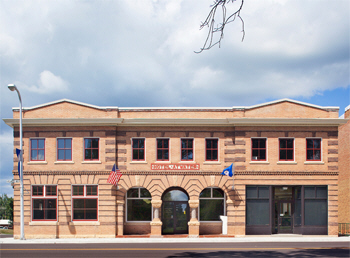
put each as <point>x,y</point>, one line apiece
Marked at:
<point>212,163</point>
<point>37,163</point>
<point>63,162</point>
<point>287,163</point>
<point>314,163</point>
<point>84,223</point>
<point>44,223</point>
<point>91,162</point>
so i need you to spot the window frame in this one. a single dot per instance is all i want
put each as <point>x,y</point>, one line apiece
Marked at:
<point>163,149</point>
<point>84,197</point>
<point>217,149</point>
<point>137,198</point>
<point>286,149</point>
<point>43,197</point>
<point>144,149</point>
<point>187,149</point>
<point>98,148</point>
<point>320,149</point>
<point>211,198</point>
<point>37,149</point>
<point>64,149</point>
<point>258,138</point>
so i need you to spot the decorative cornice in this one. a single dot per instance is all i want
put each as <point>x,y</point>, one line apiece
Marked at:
<point>187,173</point>
<point>176,122</point>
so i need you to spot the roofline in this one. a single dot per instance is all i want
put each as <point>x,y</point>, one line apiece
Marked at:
<point>176,122</point>
<point>347,108</point>
<point>176,108</point>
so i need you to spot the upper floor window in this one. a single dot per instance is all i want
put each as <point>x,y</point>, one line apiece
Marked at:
<point>211,149</point>
<point>44,202</point>
<point>138,149</point>
<point>163,149</point>
<point>64,149</point>
<point>37,149</point>
<point>259,149</point>
<point>186,149</point>
<point>286,149</point>
<point>313,149</point>
<point>91,149</point>
<point>85,202</point>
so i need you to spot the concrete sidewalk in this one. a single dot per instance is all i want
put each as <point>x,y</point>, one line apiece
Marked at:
<point>208,239</point>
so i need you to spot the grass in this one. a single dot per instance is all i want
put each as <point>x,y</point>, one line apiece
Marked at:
<point>6,231</point>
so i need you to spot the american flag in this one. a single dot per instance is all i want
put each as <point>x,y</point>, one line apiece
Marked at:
<point>114,176</point>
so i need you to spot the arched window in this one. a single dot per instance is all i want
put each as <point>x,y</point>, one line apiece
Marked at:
<point>211,204</point>
<point>138,205</point>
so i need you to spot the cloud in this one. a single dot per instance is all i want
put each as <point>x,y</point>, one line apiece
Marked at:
<point>6,161</point>
<point>49,83</point>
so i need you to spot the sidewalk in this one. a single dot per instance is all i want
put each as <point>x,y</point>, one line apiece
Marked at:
<point>184,239</point>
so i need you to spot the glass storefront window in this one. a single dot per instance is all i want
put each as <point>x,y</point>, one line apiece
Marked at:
<point>138,204</point>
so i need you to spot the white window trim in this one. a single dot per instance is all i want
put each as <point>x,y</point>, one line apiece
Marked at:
<point>30,161</point>
<point>99,151</point>
<point>321,148</point>
<point>286,161</point>
<point>212,198</point>
<point>64,161</point>
<point>267,153</point>
<point>137,198</point>
<point>76,222</point>
<point>36,222</point>
<point>193,147</point>
<point>163,161</point>
<point>205,151</point>
<point>138,161</point>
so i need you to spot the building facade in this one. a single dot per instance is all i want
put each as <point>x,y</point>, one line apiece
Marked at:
<point>285,155</point>
<point>344,170</point>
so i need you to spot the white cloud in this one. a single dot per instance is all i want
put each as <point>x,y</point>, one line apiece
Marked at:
<point>49,83</point>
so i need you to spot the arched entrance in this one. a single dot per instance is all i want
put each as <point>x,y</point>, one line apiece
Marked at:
<point>175,211</point>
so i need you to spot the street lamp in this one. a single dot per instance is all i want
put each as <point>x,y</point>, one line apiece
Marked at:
<point>13,87</point>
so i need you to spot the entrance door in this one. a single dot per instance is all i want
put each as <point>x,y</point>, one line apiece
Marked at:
<point>175,217</point>
<point>175,212</point>
<point>284,216</point>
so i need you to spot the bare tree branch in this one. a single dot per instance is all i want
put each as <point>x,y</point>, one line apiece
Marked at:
<point>219,28</point>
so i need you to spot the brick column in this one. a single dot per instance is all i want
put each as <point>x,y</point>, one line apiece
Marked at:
<point>156,224</point>
<point>230,217</point>
<point>193,224</point>
<point>120,217</point>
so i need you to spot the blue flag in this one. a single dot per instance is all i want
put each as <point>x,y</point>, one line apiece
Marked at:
<point>18,152</point>
<point>229,171</point>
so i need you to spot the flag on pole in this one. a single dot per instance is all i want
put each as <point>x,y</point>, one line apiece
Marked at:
<point>229,171</point>
<point>18,152</point>
<point>114,176</point>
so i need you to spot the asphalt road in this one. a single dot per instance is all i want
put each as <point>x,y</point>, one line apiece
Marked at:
<point>280,249</point>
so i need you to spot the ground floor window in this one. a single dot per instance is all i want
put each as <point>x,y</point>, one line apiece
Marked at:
<point>316,208</point>
<point>211,204</point>
<point>258,205</point>
<point>85,202</point>
<point>44,202</point>
<point>138,205</point>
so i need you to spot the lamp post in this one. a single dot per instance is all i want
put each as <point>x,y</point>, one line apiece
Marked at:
<point>13,87</point>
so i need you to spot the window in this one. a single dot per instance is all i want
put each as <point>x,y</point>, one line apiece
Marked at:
<point>138,149</point>
<point>258,205</point>
<point>163,149</point>
<point>64,149</point>
<point>85,202</point>
<point>259,149</point>
<point>286,149</point>
<point>138,203</point>
<point>211,204</point>
<point>186,149</point>
<point>44,202</point>
<point>211,149</point>
<point>37,149</point>
<point>313,149</point>
<point>316,207</point>
<point>91,150</point>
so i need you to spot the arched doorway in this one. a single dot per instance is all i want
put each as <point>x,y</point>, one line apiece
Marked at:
<point>175,211</point>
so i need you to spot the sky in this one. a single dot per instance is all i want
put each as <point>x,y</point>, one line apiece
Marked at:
<point>141,53</point>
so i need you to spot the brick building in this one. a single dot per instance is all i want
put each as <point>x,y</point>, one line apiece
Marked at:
<point>285,155</point>
<point>344,170</point>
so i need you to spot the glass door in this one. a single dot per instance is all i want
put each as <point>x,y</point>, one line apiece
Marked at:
<point>175,217</point>
<point>284,215</point>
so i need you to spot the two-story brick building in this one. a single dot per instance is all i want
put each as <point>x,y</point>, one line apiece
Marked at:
<point>285,155</point>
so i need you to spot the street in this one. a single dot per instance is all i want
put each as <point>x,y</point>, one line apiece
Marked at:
<point>215,249</point>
